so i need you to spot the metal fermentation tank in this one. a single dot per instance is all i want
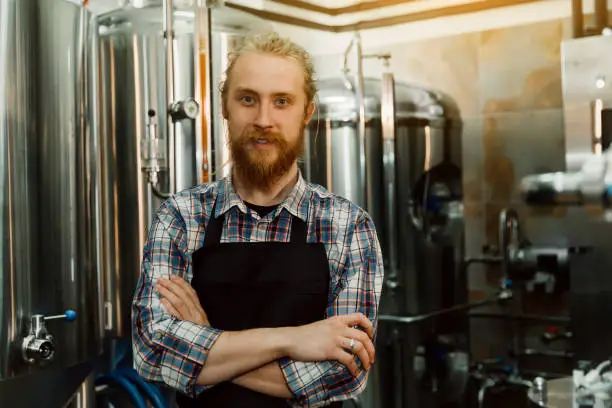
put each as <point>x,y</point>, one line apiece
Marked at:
<point>132,83</point>
<point>587,108</point>
<point>48,192</point>
<point>406,173</point>
<point>132,78</point>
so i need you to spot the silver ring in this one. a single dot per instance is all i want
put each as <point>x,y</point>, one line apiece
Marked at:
<point>352,344</point>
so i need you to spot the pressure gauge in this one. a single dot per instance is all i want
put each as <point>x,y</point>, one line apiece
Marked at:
<point>187,108</point>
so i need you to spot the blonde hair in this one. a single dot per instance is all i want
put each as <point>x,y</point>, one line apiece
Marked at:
<point>270,42</point>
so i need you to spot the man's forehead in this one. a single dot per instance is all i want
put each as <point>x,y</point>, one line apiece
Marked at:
<point>267,74</point>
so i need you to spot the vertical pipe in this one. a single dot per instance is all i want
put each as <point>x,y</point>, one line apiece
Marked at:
<point>211,121</point>
<point>168,28</point>
<point>85,397</point>
<point>203,65</point>
<point>97,170</point>
<point>601,15</point>
<point>360,93</point>
<point>577,19</point>
<point>388,135</point>
<point>329,170</point>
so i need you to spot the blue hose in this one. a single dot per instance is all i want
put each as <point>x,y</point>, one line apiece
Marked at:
<point>122,353</point>
<point>151,391</point>
<point>121,370</point>
<point>126,385</point>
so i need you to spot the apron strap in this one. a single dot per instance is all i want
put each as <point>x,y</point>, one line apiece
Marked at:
<point>214,229</point>
<point>299,230</point>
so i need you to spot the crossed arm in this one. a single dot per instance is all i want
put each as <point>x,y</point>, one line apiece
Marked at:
<point>181,301</point>
<point>256,353</point>
<point>307,363</point>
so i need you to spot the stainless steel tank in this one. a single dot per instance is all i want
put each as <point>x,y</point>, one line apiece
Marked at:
<point>48,195</point>
<point>132,85</point>
<point>406,172</point>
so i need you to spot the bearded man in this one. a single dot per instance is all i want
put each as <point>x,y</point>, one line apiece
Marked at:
<point>261,289</point>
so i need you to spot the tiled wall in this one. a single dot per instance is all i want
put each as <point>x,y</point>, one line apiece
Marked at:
<point>507,84</point>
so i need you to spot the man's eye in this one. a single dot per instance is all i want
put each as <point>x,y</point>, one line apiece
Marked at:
<point>282,101</point>
<point>247,99</point>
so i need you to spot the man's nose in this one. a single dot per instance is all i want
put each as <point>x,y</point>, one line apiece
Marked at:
<point>264,119</point>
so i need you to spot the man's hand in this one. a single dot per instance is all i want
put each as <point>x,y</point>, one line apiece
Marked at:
<point>334,338</point>
<point>181,300</point>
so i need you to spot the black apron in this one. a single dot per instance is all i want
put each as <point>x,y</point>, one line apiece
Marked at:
<point>254,285</point>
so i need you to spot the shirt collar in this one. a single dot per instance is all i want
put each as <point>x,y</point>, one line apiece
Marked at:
<point>295,203</point>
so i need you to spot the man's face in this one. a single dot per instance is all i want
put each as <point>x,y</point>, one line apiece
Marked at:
<point>267,111</point>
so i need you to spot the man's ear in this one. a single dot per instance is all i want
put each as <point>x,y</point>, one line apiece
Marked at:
<point>309,112</point>
<point>224,110</point>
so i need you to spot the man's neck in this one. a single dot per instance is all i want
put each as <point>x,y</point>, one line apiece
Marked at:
<point>273,195</point>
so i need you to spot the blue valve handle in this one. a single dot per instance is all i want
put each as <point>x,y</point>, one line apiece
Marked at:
<point>69,315</point>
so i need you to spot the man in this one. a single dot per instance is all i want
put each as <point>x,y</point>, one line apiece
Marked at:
<point>260,290</point>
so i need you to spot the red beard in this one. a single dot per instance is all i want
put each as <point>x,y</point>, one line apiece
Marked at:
<point>263,167</point>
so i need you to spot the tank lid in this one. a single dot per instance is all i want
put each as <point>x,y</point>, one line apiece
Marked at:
<point>149,12</point>
<point>337,100</point>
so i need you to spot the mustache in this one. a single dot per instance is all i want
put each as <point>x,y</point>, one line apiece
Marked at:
<point>258,134</point>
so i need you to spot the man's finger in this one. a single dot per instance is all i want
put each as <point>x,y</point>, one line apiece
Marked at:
<point>364,340</point>
<point>348,360</point>
<point>174,287</point>
<point>186,287</point>
<point>358,319</point>
<point>170,309</point>
<point>175,301</point>
<point>189,291</point>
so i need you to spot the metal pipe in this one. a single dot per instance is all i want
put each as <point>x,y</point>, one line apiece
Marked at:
<point>98,172</point>
<point>168,28</point>
<point>601,15</point>
<point>545,353</point>
<point>160,194</point>
<point>577,19</point>
<point>522,317</point>
<point>503,295</point>
<point>203,65</point>
<point>345,68</point>
<point>360,94</point>
<point>387,107</point>
<point>482,391</point>
<point>508,224</point>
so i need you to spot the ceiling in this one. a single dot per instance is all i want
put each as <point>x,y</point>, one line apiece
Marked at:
<point>337,3</point>
<point>340,7</point>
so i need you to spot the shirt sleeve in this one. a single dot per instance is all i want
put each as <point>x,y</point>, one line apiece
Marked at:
<point>316,383</point>
<point>167,349</point>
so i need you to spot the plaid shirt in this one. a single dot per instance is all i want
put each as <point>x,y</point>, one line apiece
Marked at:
<point>168,350</point>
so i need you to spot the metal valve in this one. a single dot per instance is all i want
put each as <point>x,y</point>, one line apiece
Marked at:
<point>38,345</point>
<point>152,151</point>
<point>187,108</point>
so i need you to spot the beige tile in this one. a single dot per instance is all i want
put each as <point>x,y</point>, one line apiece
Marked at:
<point>448,64</point>
<point>472,159</point>
<point>517,145</point>
<point>520,68</point>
